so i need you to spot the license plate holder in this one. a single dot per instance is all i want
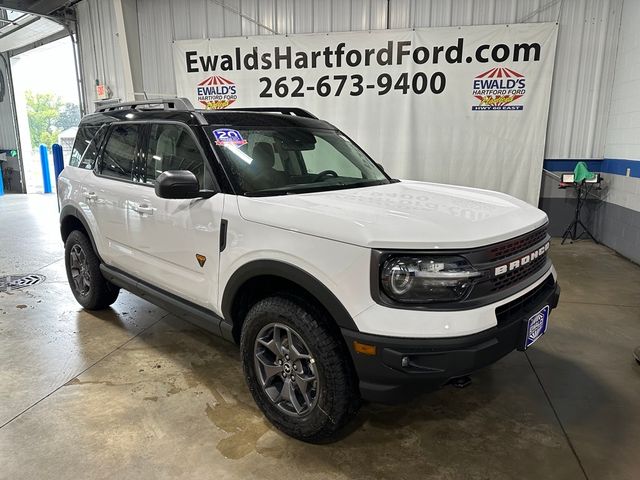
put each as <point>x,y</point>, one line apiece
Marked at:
<point>536,326</point>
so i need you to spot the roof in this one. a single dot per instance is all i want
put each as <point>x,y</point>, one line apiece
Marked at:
<point>181,110</point>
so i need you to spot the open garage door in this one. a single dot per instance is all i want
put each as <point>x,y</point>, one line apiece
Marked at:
<point>18,29</point>
<point>27,30</point>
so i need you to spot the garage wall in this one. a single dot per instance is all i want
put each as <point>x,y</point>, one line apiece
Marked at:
<point>617,221</point>
<point>582,81</point>
<point>100,56</point>
<point>7,131</point>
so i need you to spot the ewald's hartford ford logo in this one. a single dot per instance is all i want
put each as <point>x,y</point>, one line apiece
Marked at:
<point>522,261</point>
<point>216,92</point>
<point>498,89</point>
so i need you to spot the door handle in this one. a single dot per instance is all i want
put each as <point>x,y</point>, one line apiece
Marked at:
<point>144,208</point>
<point>90,196</point>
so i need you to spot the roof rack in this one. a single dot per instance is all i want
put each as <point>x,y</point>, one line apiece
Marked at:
<point>298,112</point>
<point>167,104</point>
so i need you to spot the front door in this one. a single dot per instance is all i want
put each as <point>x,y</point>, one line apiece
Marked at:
<point>176,241</point>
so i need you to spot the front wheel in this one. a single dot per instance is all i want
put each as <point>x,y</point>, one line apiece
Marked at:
<point>91,289</point>
<point>296,369</point>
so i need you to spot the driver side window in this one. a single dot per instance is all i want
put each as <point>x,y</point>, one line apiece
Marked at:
<point>172,147</point>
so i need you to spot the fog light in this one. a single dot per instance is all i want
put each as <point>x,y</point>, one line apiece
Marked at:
<point>405,361</point>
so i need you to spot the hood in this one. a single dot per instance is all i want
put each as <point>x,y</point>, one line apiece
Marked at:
<point>405,215</point>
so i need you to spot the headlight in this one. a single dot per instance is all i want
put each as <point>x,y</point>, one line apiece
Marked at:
<point>427,279</point>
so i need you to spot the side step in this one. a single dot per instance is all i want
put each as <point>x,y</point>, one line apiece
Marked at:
<point>201,317</point>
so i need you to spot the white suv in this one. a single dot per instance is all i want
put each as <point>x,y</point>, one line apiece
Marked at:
<point>272,229</point>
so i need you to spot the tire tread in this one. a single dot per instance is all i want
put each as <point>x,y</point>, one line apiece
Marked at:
<point>102,293</point>
<point>343,399</point>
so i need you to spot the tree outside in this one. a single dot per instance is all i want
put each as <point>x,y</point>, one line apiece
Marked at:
<point>69,116</point>
<point>48,116</point>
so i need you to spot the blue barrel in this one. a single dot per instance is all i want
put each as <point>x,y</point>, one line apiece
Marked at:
<point>46,174</point>
<point>58,160</point>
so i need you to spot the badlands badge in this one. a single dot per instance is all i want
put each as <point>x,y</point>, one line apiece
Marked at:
<point>499,89</point>
<point>216,92</point>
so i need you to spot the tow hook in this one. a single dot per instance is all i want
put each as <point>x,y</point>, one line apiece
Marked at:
<point>460,382</point>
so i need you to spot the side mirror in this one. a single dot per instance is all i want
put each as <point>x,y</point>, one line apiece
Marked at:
<point>177,184</point>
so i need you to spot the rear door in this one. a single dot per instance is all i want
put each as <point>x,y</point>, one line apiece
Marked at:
<point>111,193</point>
<point>77,184</point>
<point>176,241</point>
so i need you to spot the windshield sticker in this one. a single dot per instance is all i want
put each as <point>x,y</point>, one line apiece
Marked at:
<point>227,136</point>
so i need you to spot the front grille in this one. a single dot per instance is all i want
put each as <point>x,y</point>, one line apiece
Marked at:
<point>516,245</point>
<point>514,276</point>
<point>487,259</point>
<point>518,308</point>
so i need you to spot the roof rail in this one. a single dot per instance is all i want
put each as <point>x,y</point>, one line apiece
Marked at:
<point>167,104</point>
<point>298,112</point>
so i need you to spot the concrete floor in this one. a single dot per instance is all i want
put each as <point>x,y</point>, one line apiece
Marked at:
<point>133,392</point>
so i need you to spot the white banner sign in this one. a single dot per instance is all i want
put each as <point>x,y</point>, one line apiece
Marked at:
<point>463,105</point>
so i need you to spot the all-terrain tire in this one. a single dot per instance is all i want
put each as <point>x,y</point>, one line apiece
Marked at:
<point>94,291</point>
<point>337,398</point>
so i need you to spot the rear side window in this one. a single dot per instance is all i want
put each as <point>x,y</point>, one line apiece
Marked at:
<point>119,152</point>
<point>172,147</point>
<point>90,155</point>
<point>84,138</point>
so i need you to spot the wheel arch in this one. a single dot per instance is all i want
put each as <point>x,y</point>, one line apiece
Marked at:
<point>72,219</point>
<point>260,278</point>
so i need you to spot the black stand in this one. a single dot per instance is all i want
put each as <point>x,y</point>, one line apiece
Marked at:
<point>582,191</point>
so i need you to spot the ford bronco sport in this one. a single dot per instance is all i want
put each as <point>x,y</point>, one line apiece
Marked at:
<point>271,228</point>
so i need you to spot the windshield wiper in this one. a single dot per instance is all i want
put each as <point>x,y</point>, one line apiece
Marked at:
<point>270,191</point>
<point>320,187</point>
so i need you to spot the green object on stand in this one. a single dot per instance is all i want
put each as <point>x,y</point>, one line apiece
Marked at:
<point>581,173</point>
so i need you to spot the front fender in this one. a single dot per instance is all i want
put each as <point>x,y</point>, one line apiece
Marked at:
<point>289,272</point>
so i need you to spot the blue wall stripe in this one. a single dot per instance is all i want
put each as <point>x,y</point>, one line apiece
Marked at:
<point>614,166</point>
<point>569,165</point>
<point>619,166</point>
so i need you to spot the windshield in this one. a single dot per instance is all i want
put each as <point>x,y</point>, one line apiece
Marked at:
<point>293,160</point>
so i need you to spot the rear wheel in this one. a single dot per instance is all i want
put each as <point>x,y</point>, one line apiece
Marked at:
<point>296,369</point>
<point>89,287</point>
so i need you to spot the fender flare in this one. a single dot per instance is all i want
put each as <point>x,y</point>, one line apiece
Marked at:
<point>71,211</point>
<point>293,274</point>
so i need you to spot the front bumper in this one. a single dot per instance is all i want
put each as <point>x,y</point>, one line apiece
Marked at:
<point>431,363</point>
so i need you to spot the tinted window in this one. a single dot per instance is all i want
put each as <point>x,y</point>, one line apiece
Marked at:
<point>83,139</point>
<point>172,147</point>
<point>118,155</point>
<point>287,160</point>
<point>325,157</point>
<point>91,153</point>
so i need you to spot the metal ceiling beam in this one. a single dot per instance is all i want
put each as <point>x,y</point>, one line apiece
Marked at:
<point>20,26</point>
<point>37,7</point>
